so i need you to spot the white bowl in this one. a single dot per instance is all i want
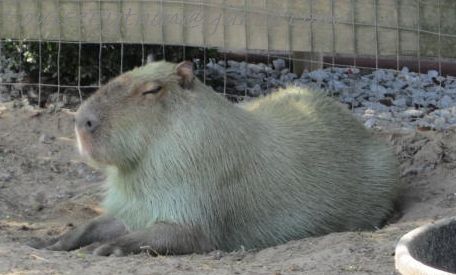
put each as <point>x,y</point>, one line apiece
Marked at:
<point>428,250</point>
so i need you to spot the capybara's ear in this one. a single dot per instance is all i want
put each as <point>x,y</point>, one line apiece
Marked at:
<point>185,71</point>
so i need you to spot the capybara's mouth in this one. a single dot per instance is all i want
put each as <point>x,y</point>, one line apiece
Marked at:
<point>85,147</point>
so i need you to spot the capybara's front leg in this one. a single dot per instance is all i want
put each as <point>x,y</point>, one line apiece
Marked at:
<point>100,229</point>
<point>159,239</point>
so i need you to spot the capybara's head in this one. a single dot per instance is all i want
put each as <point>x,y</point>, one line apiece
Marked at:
<point>114,125</point>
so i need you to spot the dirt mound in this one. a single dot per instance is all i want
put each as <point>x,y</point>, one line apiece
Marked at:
<point>45,189</point>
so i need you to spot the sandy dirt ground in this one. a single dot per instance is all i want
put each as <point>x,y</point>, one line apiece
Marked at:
<point>45,189</point>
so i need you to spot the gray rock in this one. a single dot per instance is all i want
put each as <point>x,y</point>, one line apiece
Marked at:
<point>242,70</point>
<point>284,71</point>
<point>409,100</point>
<point>400,102</point>
<point>256,76</point>
<point>268,69</point>
<point>440,123</point>
<point>216,68</point>
<point>413,113</point>
<point>276,83</point>
<point>241,87</point>
<point>347,98</point>
<point>385,116</point>
<point>431,96</point>
<point>353,71</point>
<point>383,75</point>
<point>255,68</point>
<point>399,84</point>
<point>378,90</point>
<point>445,102</point>
<point>255,91</point>
<point>337,85</point>
<point>375,106</point>
<point>233,64</point>
<point>433,73</point>
<point>231,73</point>
<point>319,75</point>
<point>405,70</point>
<point>288,78</point>
<point>278,64</point>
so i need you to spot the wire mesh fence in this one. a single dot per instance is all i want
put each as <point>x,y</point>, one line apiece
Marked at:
<point>62,50</point>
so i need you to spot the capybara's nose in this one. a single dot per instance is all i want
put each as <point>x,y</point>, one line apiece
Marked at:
<point>87,122</point>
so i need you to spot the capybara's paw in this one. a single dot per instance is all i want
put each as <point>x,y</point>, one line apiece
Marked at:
<point>120,247</point>
<point>109,249</point>
<point>40,243</point>
<point>62,245</point>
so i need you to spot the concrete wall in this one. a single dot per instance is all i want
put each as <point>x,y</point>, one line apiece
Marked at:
<point>361,27</point>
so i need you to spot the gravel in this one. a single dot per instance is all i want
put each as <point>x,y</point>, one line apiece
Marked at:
<point>379,98</point>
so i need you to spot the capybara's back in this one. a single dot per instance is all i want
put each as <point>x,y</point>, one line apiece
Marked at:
<point>317,170</point>
<point>285,166</point>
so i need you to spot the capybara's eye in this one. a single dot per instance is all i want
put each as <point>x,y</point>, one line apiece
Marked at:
<point>153,90</point>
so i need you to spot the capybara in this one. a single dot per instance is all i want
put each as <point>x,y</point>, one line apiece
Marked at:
<point>190,172</point>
